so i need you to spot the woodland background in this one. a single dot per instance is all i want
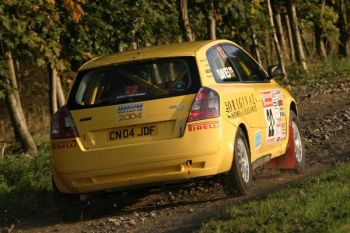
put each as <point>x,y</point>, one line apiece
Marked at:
<point>43,43</point>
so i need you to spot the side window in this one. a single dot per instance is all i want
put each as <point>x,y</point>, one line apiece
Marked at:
<point>246,67</point>
<point>221,66</point>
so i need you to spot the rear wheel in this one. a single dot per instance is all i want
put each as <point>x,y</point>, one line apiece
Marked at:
<point>69,206</point>
<point>299,149</point>
<point>239,178</point>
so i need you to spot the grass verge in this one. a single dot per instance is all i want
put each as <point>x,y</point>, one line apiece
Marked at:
<point>333,71</point>
<point>321,204</point>
<point>25,185</point>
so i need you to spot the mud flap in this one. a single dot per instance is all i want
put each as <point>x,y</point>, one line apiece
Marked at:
<point>286,161</point>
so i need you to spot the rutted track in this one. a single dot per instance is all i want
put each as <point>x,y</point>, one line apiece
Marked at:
<point>325,116</point>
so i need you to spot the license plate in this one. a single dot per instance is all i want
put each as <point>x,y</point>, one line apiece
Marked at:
<point>133,132</point>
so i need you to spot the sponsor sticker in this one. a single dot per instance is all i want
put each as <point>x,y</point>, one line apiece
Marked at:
<point>274,115</point>
<point>240,106</point>
<point>131,90</point>
<point>225,73</point>
<point>257,139</point>
<point>64,145</point>
<point>203,126</point>
<point>178,106</point>
<point>130,108</point>
<point>129,111</point>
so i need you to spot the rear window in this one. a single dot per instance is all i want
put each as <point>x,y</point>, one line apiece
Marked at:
<point>136,81</point>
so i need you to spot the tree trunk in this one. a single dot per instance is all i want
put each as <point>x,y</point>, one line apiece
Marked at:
<point>256,48</point>
<point>299,51</point>
<point>318,31</point>
<point>53,89</point>
<point>321,50</point>
<point>280,32</point>
<point>268,49</point>
<point>344,29</point>
<point>120,47</point>
<point>304,42</point>
<point>211,21</point>
<point>16,112</point>
<point>275,39</point>
<point>60,93</point>
<point>290,39</point>
<point>184,21</point>
<point>134,45</point>
<point>13,80</point>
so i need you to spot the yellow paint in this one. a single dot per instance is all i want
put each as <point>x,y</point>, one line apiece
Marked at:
<point>99,163</point>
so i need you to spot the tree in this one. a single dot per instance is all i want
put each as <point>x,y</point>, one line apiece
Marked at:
<point>30,30</point>
<point>275,38</point>
<point>299,51</point>
<point>343,9</point>
<point>14,106</point>
<point>12,33</point>
<point>278,10</point>
<point>319,32</point>
<point>212,18</point>
<point>184,21</point>
<point>290,38</point>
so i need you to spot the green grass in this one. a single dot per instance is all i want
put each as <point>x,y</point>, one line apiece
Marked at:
<point>25,185</point>
<point>321,204</point>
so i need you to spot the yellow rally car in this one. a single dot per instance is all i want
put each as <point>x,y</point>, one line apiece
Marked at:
<point>171,113</point>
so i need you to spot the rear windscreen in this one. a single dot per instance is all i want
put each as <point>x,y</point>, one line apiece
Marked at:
<point>135,82</point>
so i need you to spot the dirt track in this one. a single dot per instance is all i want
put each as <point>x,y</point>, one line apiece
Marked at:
<point>325,115</point>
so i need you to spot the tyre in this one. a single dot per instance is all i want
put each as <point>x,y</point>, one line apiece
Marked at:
<point>299,148</point>
<point>239,179</point>
<point>69,206</point>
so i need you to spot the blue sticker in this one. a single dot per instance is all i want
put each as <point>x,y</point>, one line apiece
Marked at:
<point>130,108</point>
<point>257,138</point>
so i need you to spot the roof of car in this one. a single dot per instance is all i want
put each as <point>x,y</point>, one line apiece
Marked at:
<point>161,51</point>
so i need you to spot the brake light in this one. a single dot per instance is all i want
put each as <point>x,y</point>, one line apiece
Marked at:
<point>62,125</point>
<point>206,105</point>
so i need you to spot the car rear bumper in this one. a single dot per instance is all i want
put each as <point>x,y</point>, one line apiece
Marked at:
<point>196,154</point>
<point>136,175</point>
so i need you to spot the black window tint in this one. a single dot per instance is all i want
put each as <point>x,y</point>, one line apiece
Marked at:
<point>133,82</point>
<point>246,67</point>
<point>221,66</point>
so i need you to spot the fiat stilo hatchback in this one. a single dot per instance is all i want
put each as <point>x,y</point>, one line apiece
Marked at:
<point>171,113</point>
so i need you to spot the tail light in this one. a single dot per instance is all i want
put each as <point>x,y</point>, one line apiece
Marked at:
<point>62,125</point>
<point>206,105</point>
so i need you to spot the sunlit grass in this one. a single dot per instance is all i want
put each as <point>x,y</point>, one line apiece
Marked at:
<point>321,204</point>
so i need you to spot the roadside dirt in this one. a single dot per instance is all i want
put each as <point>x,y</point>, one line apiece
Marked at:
<point>325,116</point>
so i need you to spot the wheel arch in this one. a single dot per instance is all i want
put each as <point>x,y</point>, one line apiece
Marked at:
<point>293,107</point>
<point>245,131</point>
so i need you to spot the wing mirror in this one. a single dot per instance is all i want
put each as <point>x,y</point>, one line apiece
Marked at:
<point>274,71</point>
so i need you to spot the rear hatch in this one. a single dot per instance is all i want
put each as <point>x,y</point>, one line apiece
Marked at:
<point>133,103</point>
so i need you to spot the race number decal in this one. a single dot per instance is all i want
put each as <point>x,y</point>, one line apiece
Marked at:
<point>270,123</point>
<point>274,115</point>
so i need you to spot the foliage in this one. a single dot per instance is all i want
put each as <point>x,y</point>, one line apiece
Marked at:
<point>312,14</point>
<point>25,184</point>
<point>334,70</point>
<point>66,33</point>
<point>317,205</point>
<point>3,84</point>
